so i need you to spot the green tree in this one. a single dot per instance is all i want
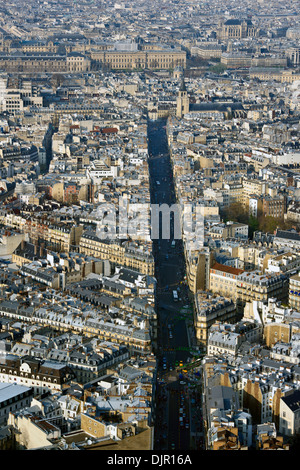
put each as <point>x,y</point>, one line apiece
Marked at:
<point>253,225</point>
<point>236,212</point>
<point>218,68</point>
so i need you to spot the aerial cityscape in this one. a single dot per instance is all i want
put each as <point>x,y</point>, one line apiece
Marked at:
<point>150,227</point>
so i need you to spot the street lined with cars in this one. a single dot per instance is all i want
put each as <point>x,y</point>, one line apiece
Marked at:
<point>173,304</point>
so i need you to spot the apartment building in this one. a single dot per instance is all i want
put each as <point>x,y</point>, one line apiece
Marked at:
<point>234,192</point>
<point>13,103</point>
<point>88,366</point>
<point>255,285</point>
<point>97,427</point>
<point>13,398</point>
<point>253,186</point>
<point>261,396</point>
<point>294,292</point>
<point>228,338</point>
<point>287,262</point>
<point>268,206</point>
<point>223,280</point>
<point>33,431</point>
<point>133,335</point>
<point>198,264</point>
<point>235,230</point>
<point>268,439</point>
<point>249,255</point>
<point>224,342</point>
<point>279,332</point>
<point>287,238</point>
<point>117,252</point>
<point>289,417</point>
<point>208,310</point>
<point>226,437</point>
<point>60,236</point>
<point>41,376</point>
<point>48,276</point>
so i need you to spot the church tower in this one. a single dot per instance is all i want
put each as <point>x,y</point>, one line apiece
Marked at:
<point>182,103</point>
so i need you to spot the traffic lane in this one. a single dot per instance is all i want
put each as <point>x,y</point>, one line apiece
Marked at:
<point>173,435</point>
<point>167,277</point>
<point>160,429</point>
<point>164,269</point>
<point>160,171</point>
<point>174,338</point>
<point>179,434</point>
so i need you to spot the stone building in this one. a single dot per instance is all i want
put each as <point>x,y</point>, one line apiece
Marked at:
<point>255,285</point>
<point>223,280</point>
<point>236,29</point>
<point>208,310</point>
<point>294,292</point>
<point>41,376</point>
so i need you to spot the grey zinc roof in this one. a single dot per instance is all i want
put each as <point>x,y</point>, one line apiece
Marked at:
<point>289,234</point>
<point>11,390</point>
<point>222,107</point>
<point>223,397</point>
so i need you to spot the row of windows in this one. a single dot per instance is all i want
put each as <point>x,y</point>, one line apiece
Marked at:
<point>45,379</point>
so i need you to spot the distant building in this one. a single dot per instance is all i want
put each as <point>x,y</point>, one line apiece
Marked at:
<point>207,50</point>
<point>182,102</point>
<point>118,59</point>
<point>236,29</point>
<point>218,110</point>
